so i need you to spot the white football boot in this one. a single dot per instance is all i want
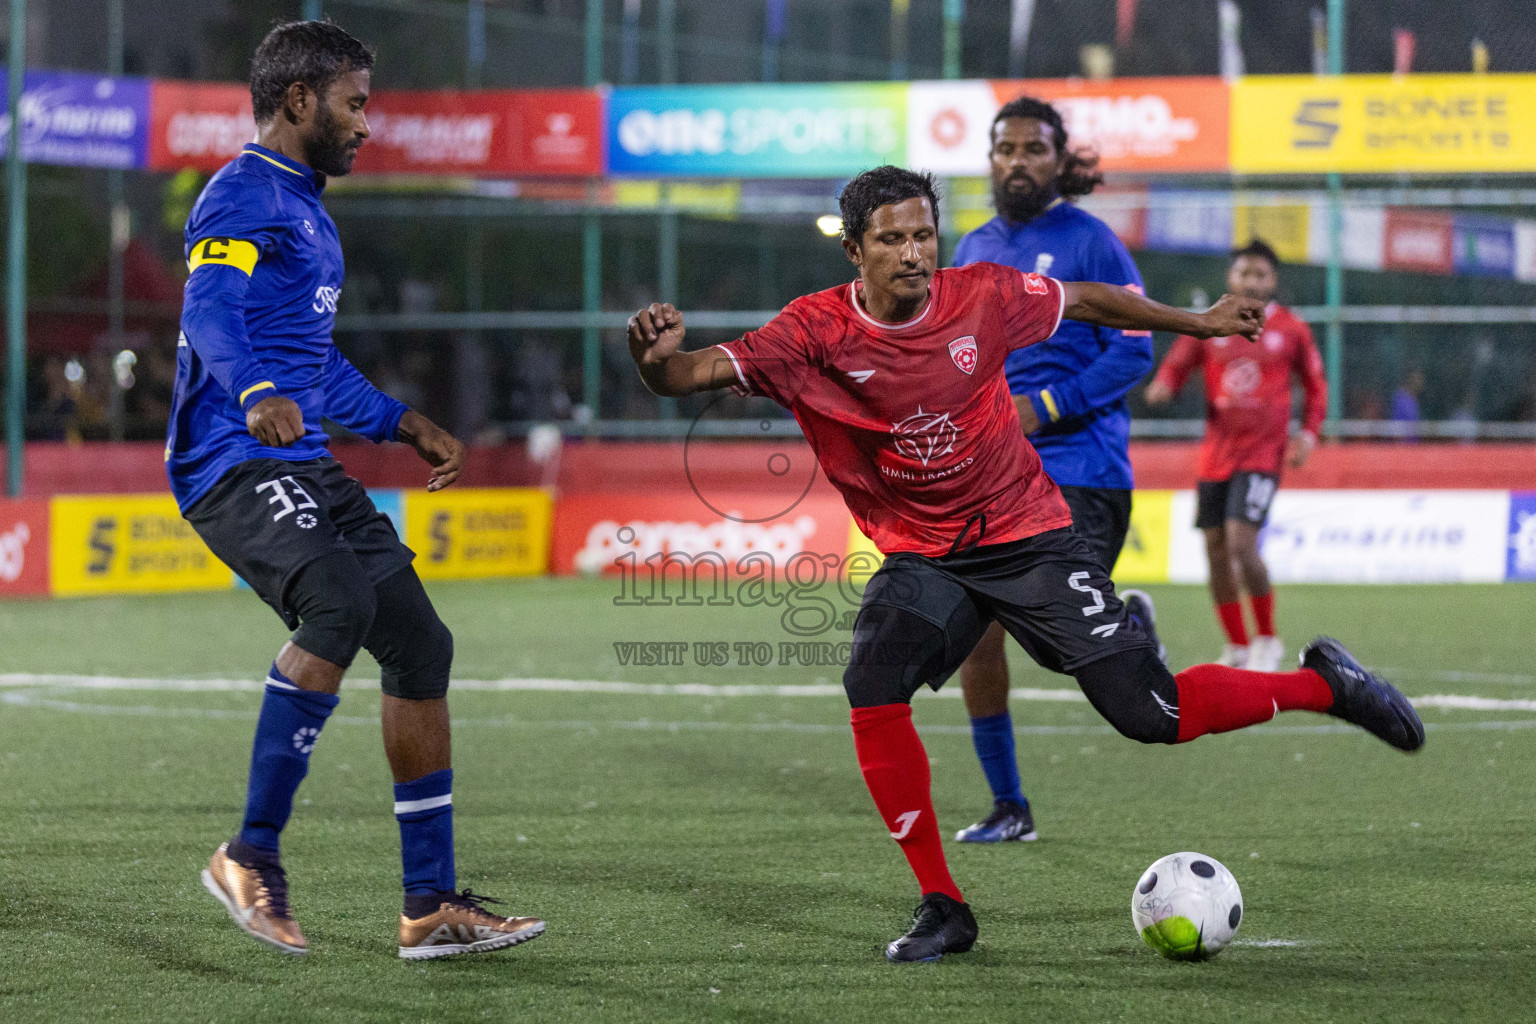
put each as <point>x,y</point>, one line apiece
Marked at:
<point>1265,653</point>
<point>1233,656</point>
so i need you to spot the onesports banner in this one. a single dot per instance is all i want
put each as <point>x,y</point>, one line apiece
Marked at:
<point>1384,123</point>
<point>1134,124</point>
<point>756,131</point>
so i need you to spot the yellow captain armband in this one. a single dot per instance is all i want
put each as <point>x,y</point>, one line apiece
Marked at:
<point>1049,401</point>
<point>229,252</point>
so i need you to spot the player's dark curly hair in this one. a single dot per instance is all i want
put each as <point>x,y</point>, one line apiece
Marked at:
<point>1261,249</point>
<point>1080,172</point>
<point>879,187</point>
<point>313,52</point>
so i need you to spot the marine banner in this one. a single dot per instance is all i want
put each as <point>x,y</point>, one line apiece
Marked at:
<point>476,533</point>
<point>81,120</point>
<point>128,543</point>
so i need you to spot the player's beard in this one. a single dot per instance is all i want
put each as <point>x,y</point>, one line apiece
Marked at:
<point>330,150</point>
<point>1022,204</point>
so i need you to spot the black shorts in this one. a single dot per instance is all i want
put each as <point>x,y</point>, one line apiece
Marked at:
<point>1048,591</point>
<point>266,519</point>
<point>1102,516</point>
<point>1245,497</point>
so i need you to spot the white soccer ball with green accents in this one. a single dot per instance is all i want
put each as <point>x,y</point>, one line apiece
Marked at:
<point>1187,906</point>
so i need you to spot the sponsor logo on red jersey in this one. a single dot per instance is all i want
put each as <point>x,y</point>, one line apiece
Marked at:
<point>963,352</point>
<point>925,435</point>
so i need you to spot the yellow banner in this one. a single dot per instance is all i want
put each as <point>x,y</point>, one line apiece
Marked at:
<point>126,544</point>
<point>1285,228</point>
<point>1384,123</point>
<point>471,534</point>
<point>1144,558</point>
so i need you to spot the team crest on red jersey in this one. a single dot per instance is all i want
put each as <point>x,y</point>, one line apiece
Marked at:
<point>927,435</point>
<point>1035,284</point>
<point>963,352</point>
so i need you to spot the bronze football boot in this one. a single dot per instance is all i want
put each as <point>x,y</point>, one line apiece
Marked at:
<point>459,923</point>
<point>256,897</point>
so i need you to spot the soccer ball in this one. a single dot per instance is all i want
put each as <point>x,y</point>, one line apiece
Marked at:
<point>1187,906</point>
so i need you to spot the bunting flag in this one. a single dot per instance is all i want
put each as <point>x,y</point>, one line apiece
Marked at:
<point>1403,45</point>
<point>1230,20</point>
<point>1125,23</point>
<point>1018,36</point>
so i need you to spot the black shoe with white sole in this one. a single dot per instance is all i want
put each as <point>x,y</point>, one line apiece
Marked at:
<point>940,924</point>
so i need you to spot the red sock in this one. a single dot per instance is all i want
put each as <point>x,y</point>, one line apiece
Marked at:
<point>1215,698</point>
<point>895,768</point>
<point>1264,612</point>
<point>1231,616</point>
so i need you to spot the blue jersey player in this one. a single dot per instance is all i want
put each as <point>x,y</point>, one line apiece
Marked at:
<point>1070,392</point>
<point>256,373</point>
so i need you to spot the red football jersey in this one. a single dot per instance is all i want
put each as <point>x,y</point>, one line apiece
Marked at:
<point>1248,392</point>
<point>913,422</point>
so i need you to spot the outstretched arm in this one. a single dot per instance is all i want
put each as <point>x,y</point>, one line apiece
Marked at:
<point>655,334</point>
<point>1112,306</point>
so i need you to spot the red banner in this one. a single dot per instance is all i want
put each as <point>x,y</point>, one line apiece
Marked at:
<point>1418,240</point>
<point>197,124</point>
<point>553,132</point>
<point>23,547</point>
<point>533,133</point>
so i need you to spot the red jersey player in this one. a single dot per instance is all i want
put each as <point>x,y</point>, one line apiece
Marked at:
<point>1247,437</point>
<point>897,381</point>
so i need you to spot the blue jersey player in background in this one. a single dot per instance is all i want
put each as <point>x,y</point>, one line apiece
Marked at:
<point>256,374</point>
<point>1070,391</point>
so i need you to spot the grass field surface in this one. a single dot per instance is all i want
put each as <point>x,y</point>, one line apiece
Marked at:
<point>703,848</point>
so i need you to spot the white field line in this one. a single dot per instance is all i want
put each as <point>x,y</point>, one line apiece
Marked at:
<point>1446,701</point>
<point>22,690</point>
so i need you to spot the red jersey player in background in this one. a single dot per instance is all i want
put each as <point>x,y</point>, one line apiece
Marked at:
<point>897,380</point>
<point>1247,437</point>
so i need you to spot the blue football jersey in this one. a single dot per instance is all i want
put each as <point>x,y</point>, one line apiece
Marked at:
<point>1078,379</point>
<point>260,304</point>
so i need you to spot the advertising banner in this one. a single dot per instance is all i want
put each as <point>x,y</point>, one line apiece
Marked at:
<point>1144,558</point>
<point>1483,246</point>
<point>1288,229</point>
<point>23,547</point>
<point>551,132</point>
<point>475,533</point>
<point>1384,123</point>
<point>1522,536</point>
<point>756,131</point>
<point>201,125</point>
<point>613,533</point>
<point>128,543</point>
<point>1367,537</point>
<point>1135,124</point>
<point>80,120</point>
<point>1417,240</point>
<point>1195,222</point>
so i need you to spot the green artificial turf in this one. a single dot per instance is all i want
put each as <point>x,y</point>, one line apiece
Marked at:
<point>706,855</point>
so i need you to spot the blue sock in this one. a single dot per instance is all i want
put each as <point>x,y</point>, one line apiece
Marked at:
<point>286,731</point>
<point>993,737</point>
<point>424,809</point>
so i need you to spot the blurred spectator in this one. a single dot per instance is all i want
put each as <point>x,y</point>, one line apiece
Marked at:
<point>1405,400</point>
<point>538,391</point>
